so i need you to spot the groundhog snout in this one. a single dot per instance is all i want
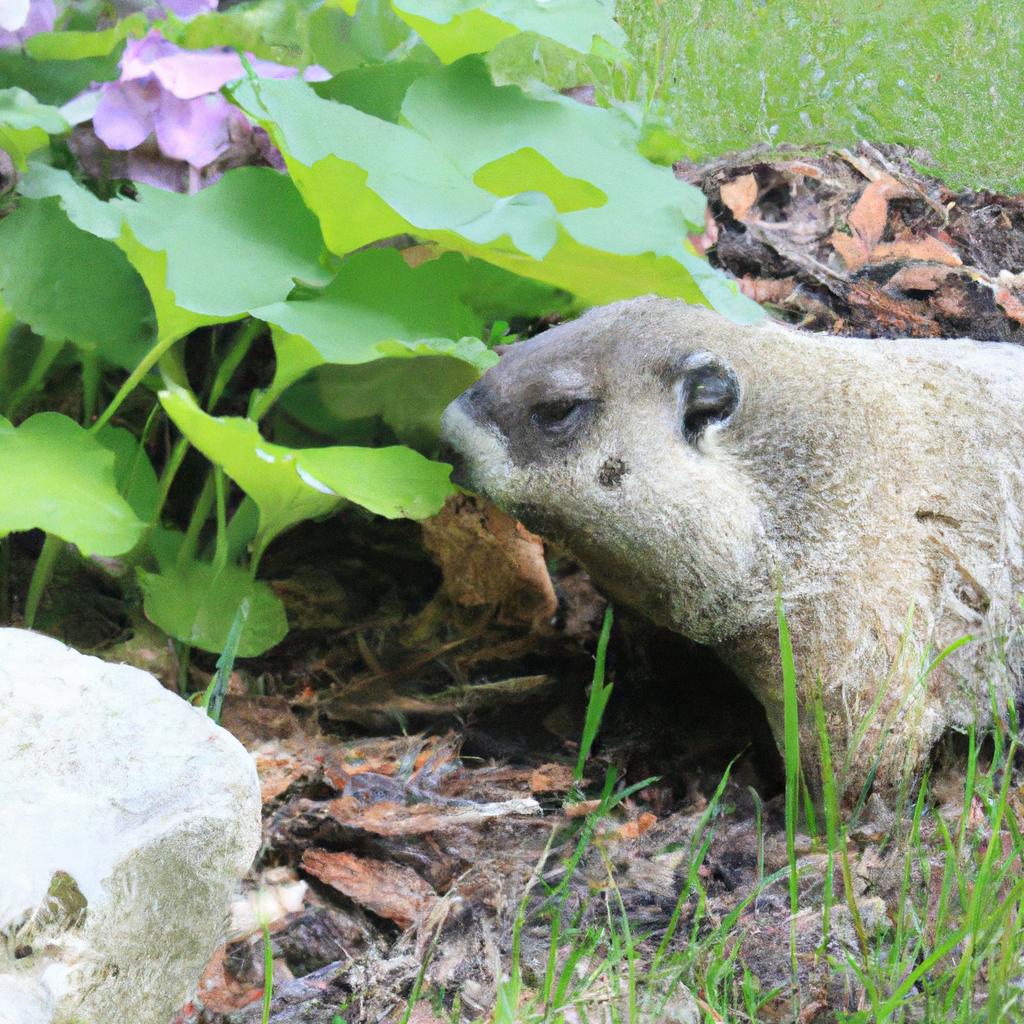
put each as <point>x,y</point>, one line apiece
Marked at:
<point>460,425</point>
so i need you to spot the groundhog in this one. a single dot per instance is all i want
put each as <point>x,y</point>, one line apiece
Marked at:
<point>699,469</point>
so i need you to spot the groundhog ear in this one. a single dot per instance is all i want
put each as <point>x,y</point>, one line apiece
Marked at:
<point>709,393</point>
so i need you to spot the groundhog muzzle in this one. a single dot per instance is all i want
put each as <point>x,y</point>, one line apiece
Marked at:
<point>698,468</point>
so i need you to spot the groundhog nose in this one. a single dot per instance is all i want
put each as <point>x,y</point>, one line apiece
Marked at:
<point>472,402</point>
<point>449,453</point>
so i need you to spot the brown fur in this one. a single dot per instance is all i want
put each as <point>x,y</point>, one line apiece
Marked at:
<point>879,483</point>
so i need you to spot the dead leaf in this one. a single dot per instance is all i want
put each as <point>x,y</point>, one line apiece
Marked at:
<point>220,991</point>
<point>253,720</point>
<point>928,249</point>
<point>487,558</point>
<point>382,756</point>
<point>388,890</point>
<point>850,249</point>
<point>740,194</point>
<point>635,829</point>
<point>581,808</point>
<point>894,314</point>
<point>707,238</point>
<point>869,214</point>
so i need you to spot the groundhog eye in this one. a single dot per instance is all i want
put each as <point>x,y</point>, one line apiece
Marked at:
<point>558,415</point>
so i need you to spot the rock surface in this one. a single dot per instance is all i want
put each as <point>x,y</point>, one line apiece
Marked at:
<point>127,818</point>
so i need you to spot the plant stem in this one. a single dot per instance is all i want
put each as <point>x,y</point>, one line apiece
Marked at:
<point>150,360</point>
<point>45,564</point>
<point>200,513</point>
<point>240,344</point>
<point>5,579</point>
<point>90,385</point>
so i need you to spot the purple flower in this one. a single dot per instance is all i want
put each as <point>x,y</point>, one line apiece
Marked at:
<point>186,9</point>
<point>20,21</point>
<point>167,104</point>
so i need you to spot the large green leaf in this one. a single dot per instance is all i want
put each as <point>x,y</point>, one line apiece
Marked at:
<point>205,258</point>
<point>291,485</point>
<point>196,603</point>
<point>66,283</point>
<point>376,297</point>
<point>59,478</point>
<point>454,28</point>
<point>241,243</point>
<point>538,184</point>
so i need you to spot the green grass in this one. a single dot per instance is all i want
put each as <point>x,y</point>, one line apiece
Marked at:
<point>712,76</point>
<point>950,948</point>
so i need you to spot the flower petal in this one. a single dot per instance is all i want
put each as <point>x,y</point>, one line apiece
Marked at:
<point>188,8</point>
<point>125,113</point>
<point>37,16</point>
<point>197,130</point>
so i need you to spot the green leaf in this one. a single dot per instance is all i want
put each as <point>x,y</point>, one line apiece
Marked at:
<point>291,485</point>
<point>342,37</point>
<point>408,396</point>
<point>66,283</point>
<point>26,124</point>
<point>537,184</point>
<point>84,210</point>
<point>204,258</point>
<point>61,479</point>
<point>239,244</point>
<point>376,89</point>
<point>455,28</point>
<point>134,473</point>
<point>21,110</point>
<point>271,29</point>
<point>197,604</point>
<point>54,81</point>
<point>377,306</point>
<point>376,297</point>
<point>67,45</point>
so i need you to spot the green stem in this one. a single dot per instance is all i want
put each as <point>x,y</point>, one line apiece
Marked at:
<point>151,358</point>
<point>90,385</point>
<point>240,344</point>
<point>220,556</point>
<point>200,513</point>
<point>5,580</point>
<point>41,575</point>
<point>184,654</point>
<point>170,471</point>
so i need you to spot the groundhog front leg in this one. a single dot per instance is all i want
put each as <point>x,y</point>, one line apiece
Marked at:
<point>880,720</point>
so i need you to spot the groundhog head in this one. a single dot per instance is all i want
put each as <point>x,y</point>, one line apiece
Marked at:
<point>616,436</point>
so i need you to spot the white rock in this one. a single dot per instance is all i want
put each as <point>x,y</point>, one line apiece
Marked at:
<point>118,797</point>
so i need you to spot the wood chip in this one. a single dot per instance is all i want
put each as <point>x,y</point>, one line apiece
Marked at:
<point>390,819</point>
<point>1010,304</point>
<point>918,278</point>
<point>551,778</point>
<point>388,890</point>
